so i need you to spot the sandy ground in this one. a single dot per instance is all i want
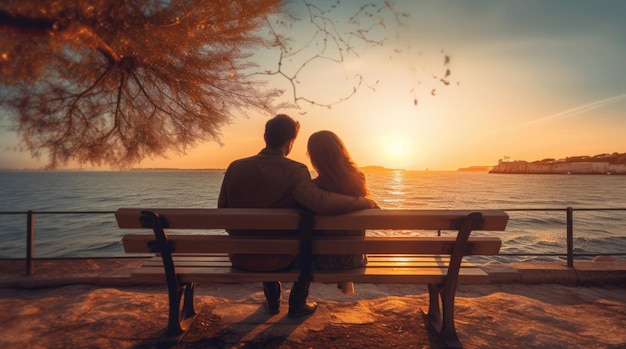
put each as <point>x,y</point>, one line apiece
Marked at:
<point>92,303</point>
<point>377,316</point>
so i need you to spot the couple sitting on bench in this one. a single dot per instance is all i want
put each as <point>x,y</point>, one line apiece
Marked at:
<point>271,180</point>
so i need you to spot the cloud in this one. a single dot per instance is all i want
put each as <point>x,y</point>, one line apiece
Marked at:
<point>568,113</point>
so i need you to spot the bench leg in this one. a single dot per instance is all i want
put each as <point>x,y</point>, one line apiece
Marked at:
<point>443,320</point>
<point>181,318</point>
<point>434,310</point>
<point>441,315</point>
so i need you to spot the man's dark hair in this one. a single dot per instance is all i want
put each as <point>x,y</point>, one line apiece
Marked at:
<point>280,129</point>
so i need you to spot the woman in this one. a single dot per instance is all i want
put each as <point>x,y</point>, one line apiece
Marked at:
<point>337,173</point>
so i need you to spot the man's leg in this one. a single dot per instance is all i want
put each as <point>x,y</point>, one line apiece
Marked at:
<point>271,289</point>
<point>298,306</point>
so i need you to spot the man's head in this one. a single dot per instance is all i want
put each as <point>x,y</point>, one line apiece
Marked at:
<point>280,132</point>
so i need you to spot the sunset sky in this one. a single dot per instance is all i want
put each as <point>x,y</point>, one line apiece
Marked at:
<point>530,80</point>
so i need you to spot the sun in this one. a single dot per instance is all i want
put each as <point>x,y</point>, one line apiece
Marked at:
<point>397,149</point>
<point>393,151</point>
<point>397,152</point>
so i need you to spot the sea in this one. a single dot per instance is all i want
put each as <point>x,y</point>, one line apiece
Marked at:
<point>73,210</point>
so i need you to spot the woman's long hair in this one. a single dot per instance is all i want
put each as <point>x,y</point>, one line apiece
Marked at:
<point>336,170</point>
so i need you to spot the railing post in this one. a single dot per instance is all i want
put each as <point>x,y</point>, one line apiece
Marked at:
<point>30,241</point>
<point>570,237</point>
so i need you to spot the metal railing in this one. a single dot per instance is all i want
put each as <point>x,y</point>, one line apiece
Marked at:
<point>569,223</point>
<point>30,230</point>
<point>569,232</point>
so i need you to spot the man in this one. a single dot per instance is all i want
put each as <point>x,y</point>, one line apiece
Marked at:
<point>271,180</point>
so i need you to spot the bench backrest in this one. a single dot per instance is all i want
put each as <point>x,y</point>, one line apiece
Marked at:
<point>288,219</point>
<point>279,219</point>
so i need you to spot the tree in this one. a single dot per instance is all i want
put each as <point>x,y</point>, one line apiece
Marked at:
<point>114,81</point>
<point>111,82</point>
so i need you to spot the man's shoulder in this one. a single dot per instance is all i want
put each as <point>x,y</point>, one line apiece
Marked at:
<point>267,160</point>
<point>246,161</point>
<point>243,160</point>
<point>294,166</point>
<point>294,162</point>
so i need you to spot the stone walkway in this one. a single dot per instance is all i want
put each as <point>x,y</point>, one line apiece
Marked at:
<point>93,303</point>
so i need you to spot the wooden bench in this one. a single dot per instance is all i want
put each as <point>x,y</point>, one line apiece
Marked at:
<point>437,261</point>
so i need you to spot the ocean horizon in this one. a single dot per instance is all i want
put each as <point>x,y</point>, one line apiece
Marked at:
<point>535,203</point>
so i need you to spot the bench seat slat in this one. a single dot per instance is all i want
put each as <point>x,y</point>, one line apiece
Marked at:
<point>434,275</point>
<point>377,257</point>
<point>225,274</point>
<point>214,269</point>
<point>425,264</point>
<point>373,261</point>
<point>193,257</point>
<point>371,264</point>
<point>408,257</point>
<point>199,262</point>
<point>410,275</point>
<point>190,260</point>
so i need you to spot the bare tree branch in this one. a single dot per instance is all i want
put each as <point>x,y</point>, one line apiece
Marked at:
<point>111,82</point>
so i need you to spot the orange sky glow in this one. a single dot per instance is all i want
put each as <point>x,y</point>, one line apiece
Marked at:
<point>530,80</point>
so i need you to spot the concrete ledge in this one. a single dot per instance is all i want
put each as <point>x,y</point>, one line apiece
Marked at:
<point>601,272</point>
<point>551,272</point>
<point>116,272</point>
<point>598,272</point>
<point>502,273</point>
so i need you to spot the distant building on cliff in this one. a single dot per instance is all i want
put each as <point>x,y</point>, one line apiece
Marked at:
<point>600,164</point>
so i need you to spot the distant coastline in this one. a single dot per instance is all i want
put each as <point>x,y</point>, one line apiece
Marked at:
<point>370,168</point>
<point>158,169</point>
<point>614,163</point>
<point>476,169</point>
